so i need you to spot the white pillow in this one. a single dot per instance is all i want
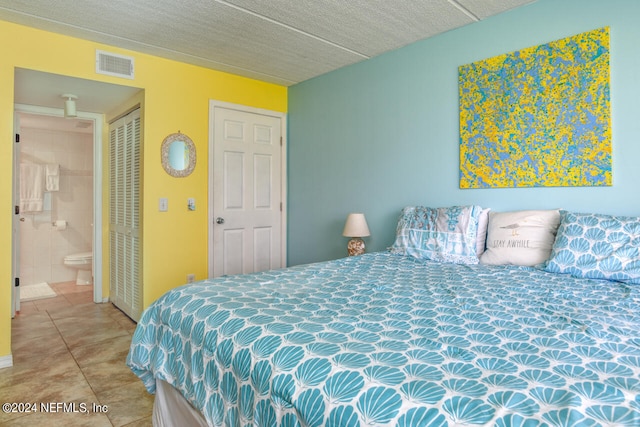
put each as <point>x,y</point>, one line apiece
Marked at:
<point>520,237</point>
<point>483,223</point>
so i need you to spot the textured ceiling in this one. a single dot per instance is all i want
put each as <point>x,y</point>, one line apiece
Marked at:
<point>278,41</point>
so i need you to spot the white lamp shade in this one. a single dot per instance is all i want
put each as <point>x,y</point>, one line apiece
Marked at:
<point>356,226</point>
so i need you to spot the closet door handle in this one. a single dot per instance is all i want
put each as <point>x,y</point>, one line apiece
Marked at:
<point>219,220</point>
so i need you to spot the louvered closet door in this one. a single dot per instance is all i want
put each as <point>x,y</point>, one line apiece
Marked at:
<point>124,214</point>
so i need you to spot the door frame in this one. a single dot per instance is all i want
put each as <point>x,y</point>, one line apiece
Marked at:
<point>213,104</point>
<point>15,220</point>
<point>98,120</point>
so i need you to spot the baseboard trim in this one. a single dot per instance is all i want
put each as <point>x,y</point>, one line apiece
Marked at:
<point>6,361</point>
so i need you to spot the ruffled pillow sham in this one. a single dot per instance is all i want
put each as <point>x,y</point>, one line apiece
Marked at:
<point>439,234</point>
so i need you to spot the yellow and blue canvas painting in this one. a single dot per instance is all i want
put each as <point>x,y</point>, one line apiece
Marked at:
<point>538,117</point>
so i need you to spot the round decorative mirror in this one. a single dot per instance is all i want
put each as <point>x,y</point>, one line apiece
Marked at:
<point>178,155</point>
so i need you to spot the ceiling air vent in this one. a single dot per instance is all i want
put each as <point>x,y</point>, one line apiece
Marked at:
<point>113,64</point>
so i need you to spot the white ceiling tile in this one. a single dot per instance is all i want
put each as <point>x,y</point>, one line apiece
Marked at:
<point>278,41</point>
<point>369,27</point>
<point>485,8</point>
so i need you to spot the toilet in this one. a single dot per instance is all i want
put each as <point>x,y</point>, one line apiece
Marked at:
<point>83,262</point>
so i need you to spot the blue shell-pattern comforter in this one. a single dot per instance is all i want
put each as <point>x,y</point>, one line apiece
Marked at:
<point>389,340</point>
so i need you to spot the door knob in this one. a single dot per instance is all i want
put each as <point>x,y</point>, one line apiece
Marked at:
<point>219,220</point>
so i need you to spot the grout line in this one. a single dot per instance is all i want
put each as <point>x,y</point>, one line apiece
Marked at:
<point>53,321</point>
<point>82,372</point>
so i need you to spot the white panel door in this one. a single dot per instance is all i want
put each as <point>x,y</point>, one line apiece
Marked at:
<point>247,192</point>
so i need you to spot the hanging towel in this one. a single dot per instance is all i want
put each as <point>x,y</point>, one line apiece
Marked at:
<point>52,177</point>
<point>31,187</point>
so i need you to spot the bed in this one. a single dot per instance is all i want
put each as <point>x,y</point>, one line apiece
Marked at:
<point>393,338</point>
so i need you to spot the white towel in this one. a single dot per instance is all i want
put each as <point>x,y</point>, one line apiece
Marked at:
<point>31,187</point>
<point>52,177</point>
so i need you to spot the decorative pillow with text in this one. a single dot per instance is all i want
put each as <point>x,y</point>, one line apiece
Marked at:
<point>521,237</point>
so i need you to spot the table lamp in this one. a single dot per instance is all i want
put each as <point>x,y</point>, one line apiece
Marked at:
<point>356,227</point>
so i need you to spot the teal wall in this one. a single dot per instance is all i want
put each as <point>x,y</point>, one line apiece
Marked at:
<point>383,134</point>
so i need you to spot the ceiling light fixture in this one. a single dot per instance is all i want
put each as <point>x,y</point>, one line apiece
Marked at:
<point>70,105</point>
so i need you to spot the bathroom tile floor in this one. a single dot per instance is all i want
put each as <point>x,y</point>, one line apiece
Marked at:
<point>69,357</point>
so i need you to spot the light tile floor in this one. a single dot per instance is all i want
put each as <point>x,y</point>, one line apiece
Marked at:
<point>68,350</point>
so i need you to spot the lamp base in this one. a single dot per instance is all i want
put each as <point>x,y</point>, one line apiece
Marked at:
<point>355,246</point>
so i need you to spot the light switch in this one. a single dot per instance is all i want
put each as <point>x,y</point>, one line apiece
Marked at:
<point>191,204</point>
<point>163,205</point>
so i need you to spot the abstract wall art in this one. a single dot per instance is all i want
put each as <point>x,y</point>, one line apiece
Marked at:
<point>538,117</point>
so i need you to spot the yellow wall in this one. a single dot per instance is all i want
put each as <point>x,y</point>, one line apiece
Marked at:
<point>175,98</point>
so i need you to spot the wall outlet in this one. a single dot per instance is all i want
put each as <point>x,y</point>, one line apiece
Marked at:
<point>191,278</point>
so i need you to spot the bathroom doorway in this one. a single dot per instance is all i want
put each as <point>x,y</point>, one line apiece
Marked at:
<point>57,216</point>
<point>56,202</point>
<point>40,94</point>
